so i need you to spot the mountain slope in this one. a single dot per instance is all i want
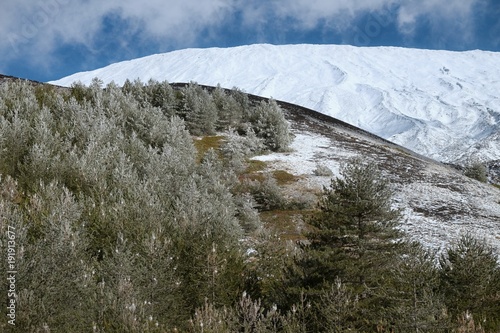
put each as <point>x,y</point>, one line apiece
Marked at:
<point>445,105</point>
<point>438,203</point>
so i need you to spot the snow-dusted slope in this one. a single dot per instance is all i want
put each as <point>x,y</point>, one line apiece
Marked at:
<point>445,105</point>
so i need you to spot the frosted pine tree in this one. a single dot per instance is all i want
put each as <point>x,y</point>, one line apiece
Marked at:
<point>269,123</point>
<point>201,116</point>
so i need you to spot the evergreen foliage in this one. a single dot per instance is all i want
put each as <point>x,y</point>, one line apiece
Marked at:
<point>356,222</point>
<point>109,188</point>
<point>470,281</point>
<point>268,123</point>
<point>416,304</point>
<point>352,245</point>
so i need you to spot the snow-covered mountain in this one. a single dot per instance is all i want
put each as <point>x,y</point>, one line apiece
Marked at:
<point>442,104</point>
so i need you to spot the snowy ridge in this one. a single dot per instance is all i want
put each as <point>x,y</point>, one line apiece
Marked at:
<point>442,104</point>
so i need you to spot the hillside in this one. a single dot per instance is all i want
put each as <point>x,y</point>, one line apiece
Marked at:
<point>444,105</point>
<point>188,208</point>
<point>439,203</point>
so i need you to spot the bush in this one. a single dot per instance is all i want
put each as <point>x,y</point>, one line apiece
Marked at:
<point>242,146</point>
<point>322,170</point>
<point>477,171</point>
<point>266,193</point>
<point>247,213</point>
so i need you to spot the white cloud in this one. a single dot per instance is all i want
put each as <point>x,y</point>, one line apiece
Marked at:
<point>455,14</point>
<point>35,27</point>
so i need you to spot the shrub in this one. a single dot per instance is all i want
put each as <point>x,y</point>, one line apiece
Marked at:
<point>266,193</point>
<point>322,170</point>
<point>242,146</point>
<point>247,213</point>
<point>477,171</point>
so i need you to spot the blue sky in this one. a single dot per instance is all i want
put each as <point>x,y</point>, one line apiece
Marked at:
<point>49,39</point>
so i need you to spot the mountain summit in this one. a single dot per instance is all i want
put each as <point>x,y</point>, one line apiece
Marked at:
<point>442,104</point>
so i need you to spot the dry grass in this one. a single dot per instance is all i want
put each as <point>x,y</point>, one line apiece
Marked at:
<point>205,143</point>
<point>288,223</point>
<point>255,166</point>
<point>254,170</point>
<point>283,177</point>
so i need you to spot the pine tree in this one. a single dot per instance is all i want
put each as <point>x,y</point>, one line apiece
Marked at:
<point>161,95</point>
<point>201,115</point>
<point>470,281</point>
<point>229,113</point>
<point>354,239</point>
<point>415,302</point>
<point>269,123</point>
<point>356,221</point>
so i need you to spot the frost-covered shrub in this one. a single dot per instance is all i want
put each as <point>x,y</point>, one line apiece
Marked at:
<point>299,201</point>
<point>266,193</point>
<point>322,170</point>
<point>247,212</point>
<point>18,110</point>
<point>14,142</point>
<point>236,148</point>
<point>245,146</point>
<point>477,171</point>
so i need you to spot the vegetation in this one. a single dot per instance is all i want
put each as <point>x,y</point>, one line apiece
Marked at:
<point>352,246</point>
<point>477,171</point>
<point>322,170</point>
<point>137,209</point>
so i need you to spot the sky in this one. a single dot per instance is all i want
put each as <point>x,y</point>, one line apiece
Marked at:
<point>45,40</point>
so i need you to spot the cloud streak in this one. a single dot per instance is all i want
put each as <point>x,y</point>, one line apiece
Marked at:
<point>42,26</point>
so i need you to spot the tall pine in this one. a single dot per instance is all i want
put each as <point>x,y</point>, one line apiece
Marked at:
<point>353,240</point>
